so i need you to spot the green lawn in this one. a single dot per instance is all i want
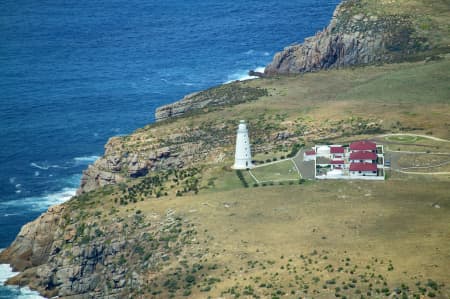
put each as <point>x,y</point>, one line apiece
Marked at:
<point>281,171</point>
<point>403,138</point>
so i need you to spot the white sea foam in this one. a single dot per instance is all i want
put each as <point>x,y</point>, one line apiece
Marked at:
<point>41,203</point>
<point>46,166</point>
<point>243,75</point>
<point>19,293</point>
<point>86,159</point>
<point>6,272</point>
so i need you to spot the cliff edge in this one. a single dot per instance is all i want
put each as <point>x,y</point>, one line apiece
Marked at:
<point>362,32</point>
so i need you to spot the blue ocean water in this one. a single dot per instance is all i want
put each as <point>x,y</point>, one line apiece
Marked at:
<point>74,73</point>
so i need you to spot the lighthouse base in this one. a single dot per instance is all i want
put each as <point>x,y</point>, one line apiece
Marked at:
<point>242,166</point>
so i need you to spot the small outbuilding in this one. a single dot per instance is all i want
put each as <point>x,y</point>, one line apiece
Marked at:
<point>309,155</point>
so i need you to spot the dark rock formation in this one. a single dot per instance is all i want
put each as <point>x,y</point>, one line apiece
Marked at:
<point>256,74</point>
<point>354,37</point>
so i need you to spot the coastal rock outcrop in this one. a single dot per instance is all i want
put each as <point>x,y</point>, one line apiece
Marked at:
<point>355,36</point>
<point>153,149</point>
<point>32,246</point>
<point>67,253</point>
<point>227,94</point>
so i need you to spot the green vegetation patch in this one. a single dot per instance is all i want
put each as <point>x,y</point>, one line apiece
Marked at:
<point>277,172</point>
<point>403,138</point>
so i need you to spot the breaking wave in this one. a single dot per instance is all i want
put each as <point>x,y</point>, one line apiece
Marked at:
<point>243,75</point>
<point>41,203</point>
<point>14,291</point>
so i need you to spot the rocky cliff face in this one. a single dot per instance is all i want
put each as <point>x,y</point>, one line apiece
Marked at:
<point>74,251</point>
<point>156,148</point>
<point>121,161</point>
<point>355,36</point>
<point>33,244</point>
<point>227,94</point>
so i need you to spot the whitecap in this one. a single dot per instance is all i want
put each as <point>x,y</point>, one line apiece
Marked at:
<point>260,69</point>
<point>18,186</point>
<point>39,166</point>
<point>12,180</point>
<point>41,203</point>
<point>7,272</point>
<point>7,215</point>
<point>243,75</point>
<point>46,166</point>
<point>249,52</point>
<point>86,159</point>
<point>37,173</point>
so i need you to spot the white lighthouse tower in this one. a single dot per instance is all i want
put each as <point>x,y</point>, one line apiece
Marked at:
<point>243,155</point>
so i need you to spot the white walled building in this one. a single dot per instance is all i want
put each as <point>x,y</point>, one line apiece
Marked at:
<point>360,160</point>
<point>322,151</point>
<point>243,156</point>
<point>309,155</point>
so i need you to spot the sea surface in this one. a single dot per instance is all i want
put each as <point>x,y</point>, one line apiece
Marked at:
<point>74,73</point>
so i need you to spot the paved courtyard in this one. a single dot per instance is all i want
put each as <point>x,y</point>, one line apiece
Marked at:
<point>306,168</point>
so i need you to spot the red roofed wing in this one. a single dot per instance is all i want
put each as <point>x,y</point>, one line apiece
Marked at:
<point>336,150</point>
<point>363,146</point>
<point>363,156</point>
<point>363,167</point>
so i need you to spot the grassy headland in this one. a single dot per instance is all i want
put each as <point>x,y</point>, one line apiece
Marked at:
<point>177,222</point>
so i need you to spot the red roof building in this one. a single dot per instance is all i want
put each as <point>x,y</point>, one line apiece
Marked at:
<point>363,155</point>
<point>310,153</point>
<point>363,167</point>
<point>338,162</point>
<point>363,146</point>
<point>337,150</point>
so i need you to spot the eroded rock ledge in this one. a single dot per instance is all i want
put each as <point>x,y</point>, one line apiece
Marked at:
<point>227,94</point>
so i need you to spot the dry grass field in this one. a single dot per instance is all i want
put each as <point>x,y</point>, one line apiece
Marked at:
<point>321,239</point>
